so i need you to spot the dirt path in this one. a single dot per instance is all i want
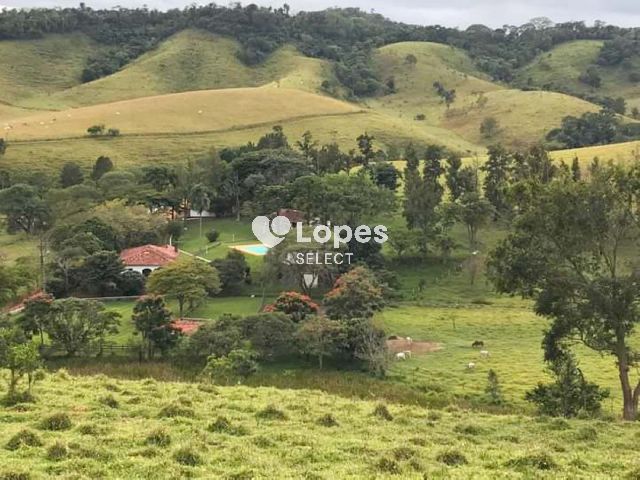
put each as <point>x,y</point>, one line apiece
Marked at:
<point>416,347</point>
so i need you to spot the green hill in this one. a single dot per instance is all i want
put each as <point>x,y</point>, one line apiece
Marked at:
<point>34,70</point>
<point>96,427</point>
<point>524,117</point>
<point>561,67</point>
<point>197,60</point>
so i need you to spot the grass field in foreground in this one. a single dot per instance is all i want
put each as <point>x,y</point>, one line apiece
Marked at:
<point>155,430</point>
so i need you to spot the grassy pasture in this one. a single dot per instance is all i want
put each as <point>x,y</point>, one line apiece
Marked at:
<point>190,112</point>
<point>16,246</point>
<point>562,65</point>
<point>150,429</point>
<point>198,60</point>
<point>34,70</point>
<point>48,156</point>
<point>524,117</point>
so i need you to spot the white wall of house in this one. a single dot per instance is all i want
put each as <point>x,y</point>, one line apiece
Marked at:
<point>205,214</point>
<point>142,268</point>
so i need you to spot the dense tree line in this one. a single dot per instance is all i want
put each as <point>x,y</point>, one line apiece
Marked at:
<point>345,36</point>
<point>593,128</point>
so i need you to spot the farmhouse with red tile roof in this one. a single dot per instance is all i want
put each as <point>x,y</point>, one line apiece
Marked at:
<point>147,258</point>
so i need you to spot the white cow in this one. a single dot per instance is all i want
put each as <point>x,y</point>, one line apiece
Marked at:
<point>485,353</point>
<point>409,340</point>
<point>471,365</point>
<point>401,356</point>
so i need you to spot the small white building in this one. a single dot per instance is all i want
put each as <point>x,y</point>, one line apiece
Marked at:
<point>204,214</point>
<point>147,258</point>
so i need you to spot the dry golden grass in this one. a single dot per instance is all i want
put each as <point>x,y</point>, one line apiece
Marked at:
<point>524,117</point>
<point>198,111</point>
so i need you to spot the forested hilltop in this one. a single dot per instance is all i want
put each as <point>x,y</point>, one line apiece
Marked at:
<point>347,37</point>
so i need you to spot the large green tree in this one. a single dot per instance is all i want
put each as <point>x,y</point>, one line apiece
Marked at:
<point>18,355</point>
<point>152,320</point>
<point>75,323</point>
<point>24,209</point>
<point>567,252</point>
<point>189,281</point>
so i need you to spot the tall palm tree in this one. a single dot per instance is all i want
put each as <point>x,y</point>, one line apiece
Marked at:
<point>199,199</point>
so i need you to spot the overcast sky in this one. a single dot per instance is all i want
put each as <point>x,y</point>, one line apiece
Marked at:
<point>453,13</point>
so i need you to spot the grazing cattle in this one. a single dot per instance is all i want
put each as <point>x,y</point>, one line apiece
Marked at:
<point>485,353</point>
<point>407,353</point>
<point>409,340</point>
<point>401,356</point>
<point>477,344</point>
<point>393,337</point>
<point>471,366</point>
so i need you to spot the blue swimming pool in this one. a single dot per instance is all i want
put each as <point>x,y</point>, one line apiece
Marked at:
<point>257,249</point>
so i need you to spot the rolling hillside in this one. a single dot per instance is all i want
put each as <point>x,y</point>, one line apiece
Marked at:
<point>561,66</point>
<point>34,70</point>
<point>192,93</point>
<point>98,427</point>
<point>197,60</point>
<point>524,117</point>
<point>189,112</point>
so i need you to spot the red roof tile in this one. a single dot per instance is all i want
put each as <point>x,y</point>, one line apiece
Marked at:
<point>187,326</point>
<point>148,256</point>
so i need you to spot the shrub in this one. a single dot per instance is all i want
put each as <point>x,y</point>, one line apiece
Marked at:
<point>631,474</point>
<point>389,466</point>
<point>95,130</point>
<point>270,412</point>
<point>570,395</point>
<point>493,390</point>
<point>207,388</point>
<point>187,456</point>
<point>541,461</point>
<point>383,412</point>
<point>238,364</point>
<point>434,416</point>
<point>453,458</point>
<point>57,451</point>
<point>13,475</point>
<point>56,422</point>
<point>468,429</point>
<point>175,410</point>
<point>559,424</point>
<point>223,425</point>
<point>109,401</point>
<point>24,438</point>
<point>328,420</point>
<point>244,475</point>
<point>88,429</point>
<point>213,235</point>
<point>587,434</point>
<point>403,453</point>
<point>158,437</point>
